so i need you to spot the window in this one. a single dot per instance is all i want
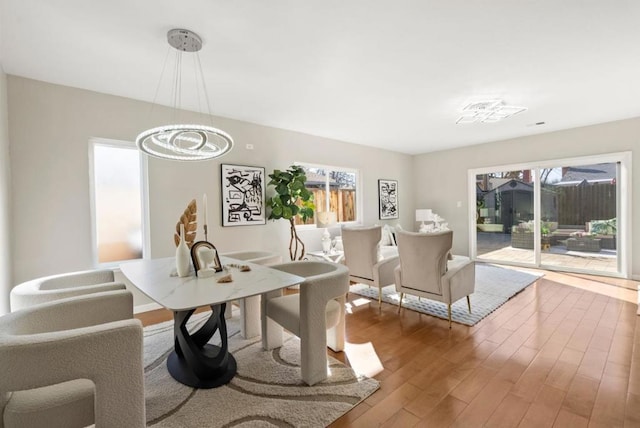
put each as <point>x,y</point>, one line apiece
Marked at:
<point>116,196</point>
<point>334,189</point>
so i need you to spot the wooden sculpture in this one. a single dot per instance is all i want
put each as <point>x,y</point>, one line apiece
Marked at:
<point>189,219</point>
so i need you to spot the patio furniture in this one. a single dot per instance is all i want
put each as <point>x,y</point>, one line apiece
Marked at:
<point>605,230</point>
<point>522,239</point>
<point>607,242</point>
<point>558,236</point>
<point>583,244</point>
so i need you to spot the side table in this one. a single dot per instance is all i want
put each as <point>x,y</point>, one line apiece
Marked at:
<point>332,256</point>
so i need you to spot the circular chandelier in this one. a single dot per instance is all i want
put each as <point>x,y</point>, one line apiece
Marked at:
<point>184,142</point>
<point>180,141</point>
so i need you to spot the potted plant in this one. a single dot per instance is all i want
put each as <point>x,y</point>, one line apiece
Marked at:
<point>292,200</point>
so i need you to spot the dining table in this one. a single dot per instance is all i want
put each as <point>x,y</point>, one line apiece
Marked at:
<point>194,361</point>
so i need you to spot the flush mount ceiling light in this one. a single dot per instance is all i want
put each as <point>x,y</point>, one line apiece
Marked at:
<point>487,111</point>
<point>178,141</point>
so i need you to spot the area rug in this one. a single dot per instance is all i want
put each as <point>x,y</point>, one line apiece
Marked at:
<point>494,286</point>
<point>266,391</point>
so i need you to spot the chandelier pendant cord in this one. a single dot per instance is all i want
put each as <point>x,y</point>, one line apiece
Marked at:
<point>164,67</point>
<point>184,142</point>
<point>177,85</point>
<point>204,89</point>
<point>176,93</point>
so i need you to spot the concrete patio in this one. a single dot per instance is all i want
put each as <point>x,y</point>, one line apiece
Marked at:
<point>497,247</point>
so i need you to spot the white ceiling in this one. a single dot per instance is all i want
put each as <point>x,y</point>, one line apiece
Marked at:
<point>372,72</point>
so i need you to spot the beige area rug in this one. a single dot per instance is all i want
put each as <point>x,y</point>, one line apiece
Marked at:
<point>494,286</point>
<point>266,391</point>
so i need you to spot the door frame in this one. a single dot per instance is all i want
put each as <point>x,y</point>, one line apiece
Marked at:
<point>623,208</point>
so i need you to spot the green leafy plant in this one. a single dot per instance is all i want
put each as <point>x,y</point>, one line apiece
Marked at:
<point>545,228</point>
<point>603,227</point>
<point>292,200</point>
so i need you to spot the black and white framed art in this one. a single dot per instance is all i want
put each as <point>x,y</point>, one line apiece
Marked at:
<point>243,193</point>
<point>388,199</point>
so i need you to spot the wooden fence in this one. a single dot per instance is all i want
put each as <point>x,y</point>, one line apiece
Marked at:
<point>580,204</point>
<point>341,201</point>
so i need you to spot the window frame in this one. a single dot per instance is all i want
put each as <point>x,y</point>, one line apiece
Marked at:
<point>330,168</point>
<point>623,189</point>
<point>144,199</point>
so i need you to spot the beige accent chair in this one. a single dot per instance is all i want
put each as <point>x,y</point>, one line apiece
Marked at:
<point>72,363</point>
<point>250,326</point>
<point>361,256</point>
<point>55,287</point>
<point>316,315</point>
<point>425,270</point>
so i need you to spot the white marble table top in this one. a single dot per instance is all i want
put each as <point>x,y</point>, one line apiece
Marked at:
<point>153,278</point>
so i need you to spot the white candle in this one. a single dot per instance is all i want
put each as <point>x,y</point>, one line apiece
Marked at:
<point>204,203</point>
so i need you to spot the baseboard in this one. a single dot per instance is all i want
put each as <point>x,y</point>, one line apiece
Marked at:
<point>146,308</point>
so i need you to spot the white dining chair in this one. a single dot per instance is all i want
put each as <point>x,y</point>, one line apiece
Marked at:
<point>250,306</point>
<point>55,287</point>
<point>316,314</point>
<point>71,363</point>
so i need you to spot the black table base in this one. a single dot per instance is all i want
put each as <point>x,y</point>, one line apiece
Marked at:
<point>193,361</point>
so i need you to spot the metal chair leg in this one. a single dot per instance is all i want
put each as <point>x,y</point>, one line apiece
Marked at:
<point>400,302</point>
<point>469,303</point>
<point>449,310</point>
<point>379,297</point>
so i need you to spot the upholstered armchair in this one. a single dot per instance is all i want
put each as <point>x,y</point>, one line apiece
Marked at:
<point>55,287</point>
<point>250,326</point>
<point>72,363</point>
<point>425,270</point>
<point>361,257</point>
<point>316,314</point>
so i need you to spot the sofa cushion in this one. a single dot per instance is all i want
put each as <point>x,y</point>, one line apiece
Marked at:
<point>387,236</point>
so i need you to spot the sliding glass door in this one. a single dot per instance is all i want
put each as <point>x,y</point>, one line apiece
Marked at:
<point>504,215</point>
<point>567,215</point>
<point>579,218</point>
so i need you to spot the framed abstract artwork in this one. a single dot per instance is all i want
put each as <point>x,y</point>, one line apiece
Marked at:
<point>243,193</point>
<point>388,199</point>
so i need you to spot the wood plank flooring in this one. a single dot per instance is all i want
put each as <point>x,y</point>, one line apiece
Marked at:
<point>563,353</point>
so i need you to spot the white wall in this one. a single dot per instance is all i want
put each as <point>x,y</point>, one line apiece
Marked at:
<point>5,197</point>
<point>50,127</point>
<point>441,177</point>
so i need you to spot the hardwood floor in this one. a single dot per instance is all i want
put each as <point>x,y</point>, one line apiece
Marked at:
<point>565,352</point>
